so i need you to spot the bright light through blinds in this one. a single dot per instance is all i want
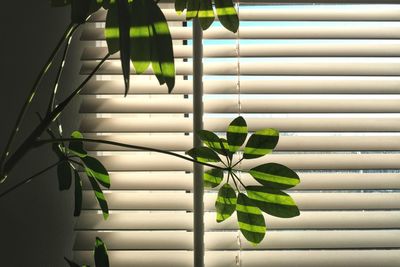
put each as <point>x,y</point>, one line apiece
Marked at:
<point>326,76</point>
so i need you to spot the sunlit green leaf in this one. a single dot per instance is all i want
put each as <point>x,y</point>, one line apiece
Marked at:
<point>76,147</point>
<point>227,14</point>
<point>162,49</point>
<point>203,154</point>
<point>206,14</point>
<point>64,175</point>
<point>273,201</point>
<point>95,169</point>
<point>100,254</point>
<point>193,7</point>
<point>250,219</point>
<point>140,36</point>
<point>225,203</point>
<point>212,178</point>
<point>78,194</point>
<point>124,22</point>
<point>275,175</point>
<point>236,133</point>
<point>261,143</point>
<point>98,193</point>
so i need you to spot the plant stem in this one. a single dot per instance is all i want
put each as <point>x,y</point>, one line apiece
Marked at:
<point>24,181</point>
<point>240,181</point>
<point>42,142</point>
<point>68,32</point>
<point>30,141</point>
<point>237,163</point>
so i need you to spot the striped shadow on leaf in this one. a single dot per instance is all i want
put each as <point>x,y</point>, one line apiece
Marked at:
<point>96,170</point>
<point>261,143</point>
<point>212,141</point>
<point>98,193</point>
<point>100,254</point>
<point>225,203</point>
<point>212,178</point>
<point>203,154</point>
<point>236,134</point>
<point>273,201</point>
<point>275,175</point>
<point>250,219</point>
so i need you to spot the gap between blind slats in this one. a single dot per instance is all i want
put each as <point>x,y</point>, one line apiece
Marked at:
<point>289,30</point>
<point>267,85</point>
<point>345,66</point>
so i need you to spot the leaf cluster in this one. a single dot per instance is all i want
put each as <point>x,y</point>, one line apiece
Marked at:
<point>251,200</point>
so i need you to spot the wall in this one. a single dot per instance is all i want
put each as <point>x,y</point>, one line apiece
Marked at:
<point>36,222</point>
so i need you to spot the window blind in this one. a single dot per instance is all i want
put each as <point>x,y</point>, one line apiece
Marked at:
<point>327,76</point>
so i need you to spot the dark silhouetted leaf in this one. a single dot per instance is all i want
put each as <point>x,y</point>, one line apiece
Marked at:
<point>227,14</point>
<point>212,178</point>
<point>275,175</point>
<point>100,254</point>
<point>206,14</point>
<point>112,30</point>
<point>203,154</point>
<point>212,140</point>
<point>71,263</point>
<point>95,169</point>
<point>193,7</point>
<point>261,143</point>
<point>236,134</point>
<point>250,219</point>
<point>76,147</point>
<point>64,175</point>
<point>124,21</point>
<point>225,203</point>
<point>273,201</point>
<point>180,6</point>
<point>100,197</point>
<point>78,194</point>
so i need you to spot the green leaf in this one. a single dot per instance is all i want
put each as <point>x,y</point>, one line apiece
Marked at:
<point>225,147</point>
<point>225,203</point>
<point>64,175</point>
<point>58,151</point>
<point>59,3</point>
<point>227,14</point>
<point>162,49</point>
<point>273,201</point>
<point>112,30</point>
<point>76,147</point>
<point>180,6</point>
<point>203,154</point>
<point>206,14</point>
<point>100,254</point>
<point>95,169</point>
<point>212,178</point>
<point>236,134</point>
<point>98,193</point>
<point>193,7</point>
<point>124,21</point>
<point>261,143</point>
<point>140,36</point>
<point>78,194</point>
<point>275,175</point>
<point>250,219</point>
<point>212,141</point>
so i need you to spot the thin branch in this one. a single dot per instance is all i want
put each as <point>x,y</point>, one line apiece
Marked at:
<point>68,32</point>
<point>42,142</point>
<point>27,180</point>
<point>32,138</point>
<point>237,163</point>
<point>240,181</point>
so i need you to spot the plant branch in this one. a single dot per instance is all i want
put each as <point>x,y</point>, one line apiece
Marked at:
<point>26,180</point>
<point>30,141</point>
<point>68,32</point>
<point>42,142</point>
